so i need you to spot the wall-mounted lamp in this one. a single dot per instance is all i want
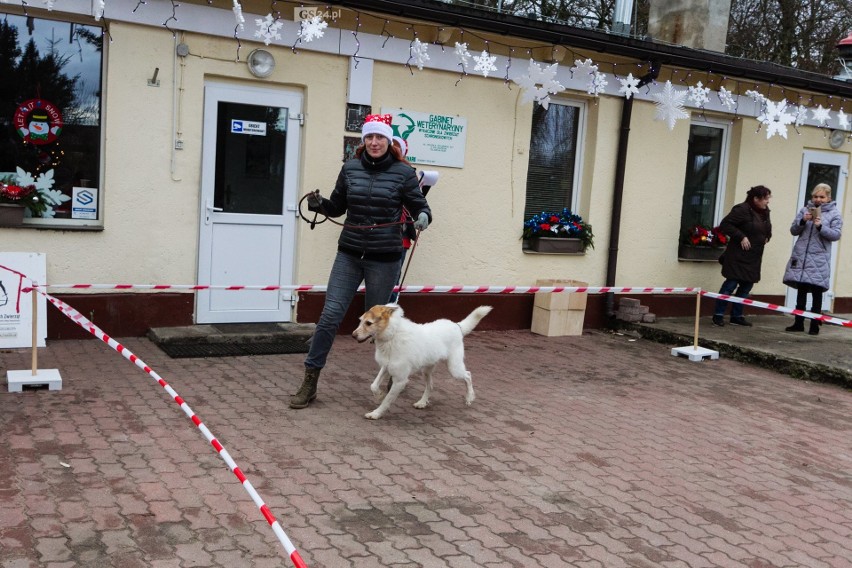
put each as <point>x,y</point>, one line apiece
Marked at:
<point>153,82</point>
<point>261,63</point>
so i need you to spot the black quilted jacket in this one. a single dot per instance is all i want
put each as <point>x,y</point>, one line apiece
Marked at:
<point>373,192</point>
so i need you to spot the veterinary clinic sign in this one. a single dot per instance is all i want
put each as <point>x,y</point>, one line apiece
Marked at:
<point>433,139</point>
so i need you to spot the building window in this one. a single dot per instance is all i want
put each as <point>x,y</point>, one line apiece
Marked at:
<point>706,164</point>
<point>50,115</point>
<point>554,166</point>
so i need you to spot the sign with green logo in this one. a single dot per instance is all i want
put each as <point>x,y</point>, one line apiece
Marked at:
<point>433,139</point>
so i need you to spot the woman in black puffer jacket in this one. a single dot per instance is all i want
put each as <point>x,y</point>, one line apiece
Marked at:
<point>371,190</point>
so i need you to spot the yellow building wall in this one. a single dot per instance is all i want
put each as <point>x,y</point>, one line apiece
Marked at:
<point>152,193</point>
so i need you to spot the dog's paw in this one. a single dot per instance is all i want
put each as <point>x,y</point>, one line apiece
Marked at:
<point>372,415</point>
<point>421,404</point>
<point>468,400</point>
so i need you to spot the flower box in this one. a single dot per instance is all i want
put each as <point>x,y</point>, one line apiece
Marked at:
<point>556,245</point>
<point>699,254</point>
<point>11,215</point>
<point>557,232</point>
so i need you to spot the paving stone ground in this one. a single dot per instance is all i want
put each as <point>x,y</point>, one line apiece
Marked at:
<point>592,451</point>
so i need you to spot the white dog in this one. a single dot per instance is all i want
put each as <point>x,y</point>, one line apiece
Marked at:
<point>404,347</point>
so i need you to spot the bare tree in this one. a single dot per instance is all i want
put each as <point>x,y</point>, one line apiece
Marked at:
<point>794,33</point>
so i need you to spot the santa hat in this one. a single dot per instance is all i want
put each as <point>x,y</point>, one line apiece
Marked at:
<point>377,124</point>
<point>403,145</point>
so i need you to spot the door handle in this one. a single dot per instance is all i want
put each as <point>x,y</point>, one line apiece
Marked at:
<point>208,209</point>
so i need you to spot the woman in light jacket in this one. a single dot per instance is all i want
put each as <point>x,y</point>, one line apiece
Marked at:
<point>817,225</point>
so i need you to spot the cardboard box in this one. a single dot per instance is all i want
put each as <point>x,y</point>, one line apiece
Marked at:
<point>552,323</point>
<point>561,313</point>
<point>561,300</point>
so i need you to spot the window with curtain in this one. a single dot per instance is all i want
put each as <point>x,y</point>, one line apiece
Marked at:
<point>553,173</point>
<point>705,171</point>
<point>50,116</point>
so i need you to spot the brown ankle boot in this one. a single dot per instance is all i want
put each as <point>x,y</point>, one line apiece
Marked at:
<point>308,391</point>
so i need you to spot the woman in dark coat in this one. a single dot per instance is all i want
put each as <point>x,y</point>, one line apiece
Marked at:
<point>371,190</point>
<point>748,228</point>
<point>818,224</point>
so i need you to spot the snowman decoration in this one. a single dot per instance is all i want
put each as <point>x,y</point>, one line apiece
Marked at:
<point>39,127</point>
<point>38,121</point>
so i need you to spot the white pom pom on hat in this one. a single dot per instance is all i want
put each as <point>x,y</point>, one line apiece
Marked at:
<point>377,124</point>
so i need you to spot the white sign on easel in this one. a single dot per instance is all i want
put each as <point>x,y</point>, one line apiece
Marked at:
<point>16,311</point>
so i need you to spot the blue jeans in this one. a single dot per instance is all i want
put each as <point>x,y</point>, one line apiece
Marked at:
<point>346,276</point>
<point>728,286</point>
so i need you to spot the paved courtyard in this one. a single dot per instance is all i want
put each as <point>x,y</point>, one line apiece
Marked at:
<point>593,451</point>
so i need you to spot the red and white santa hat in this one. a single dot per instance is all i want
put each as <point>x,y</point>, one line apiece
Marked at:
<point>377,124</point>
<point>403,145</point>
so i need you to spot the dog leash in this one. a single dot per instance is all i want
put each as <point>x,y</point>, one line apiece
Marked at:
<point>408,263</point>
<point>314,222</point>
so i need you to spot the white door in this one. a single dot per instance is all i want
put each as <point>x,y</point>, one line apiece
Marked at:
<point>819,167</point>
<point>249,179</point>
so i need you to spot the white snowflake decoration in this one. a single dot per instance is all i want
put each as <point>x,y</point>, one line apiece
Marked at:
<point>727,98</point>
<point>756,97</point>
<point>99,9</point>
<point>699,95</point>
<point>312,29</point>
<point>843,120</point>
<point>418,52</point>
<point>669,103</point>
<point>801,115</point>
<point>462,54</point>
<point>49,4</point>
<point>629,86</point>
<point>776,118</point>
<point>267,28</point>
<point>44,187</point>
<point>821,115</point>
<point>583,68</point>
<point>485,63</point>
<point>538,84</point>
<point>597,85</point>
<point>238,14</point>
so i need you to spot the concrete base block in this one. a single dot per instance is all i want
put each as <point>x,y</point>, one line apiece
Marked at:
<point>18,379</point>
<point>695,353</point>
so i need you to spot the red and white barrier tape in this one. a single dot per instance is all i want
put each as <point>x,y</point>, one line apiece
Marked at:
<point>777,308</point>
<point>81,320</point>
<point>408,289</point>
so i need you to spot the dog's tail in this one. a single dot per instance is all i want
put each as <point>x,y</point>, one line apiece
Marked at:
<point>473,319</point>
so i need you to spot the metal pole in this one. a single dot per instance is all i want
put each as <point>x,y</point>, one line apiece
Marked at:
<point>697,316</point>
<point>35,329</point>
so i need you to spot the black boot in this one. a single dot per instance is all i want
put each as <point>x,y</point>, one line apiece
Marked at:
<point>798,325</point>
<point>308,391</point>
<point>814,330</point>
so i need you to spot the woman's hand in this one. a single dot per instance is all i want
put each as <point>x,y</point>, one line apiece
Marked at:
<point>315,199</point>
<point>745,243</point>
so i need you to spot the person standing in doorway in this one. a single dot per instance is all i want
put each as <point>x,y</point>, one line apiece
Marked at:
<point>371,190</point>
<point>817,225</point>
<point>749,229</point>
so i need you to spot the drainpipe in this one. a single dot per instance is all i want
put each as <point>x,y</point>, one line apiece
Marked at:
<point>618,192</point>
